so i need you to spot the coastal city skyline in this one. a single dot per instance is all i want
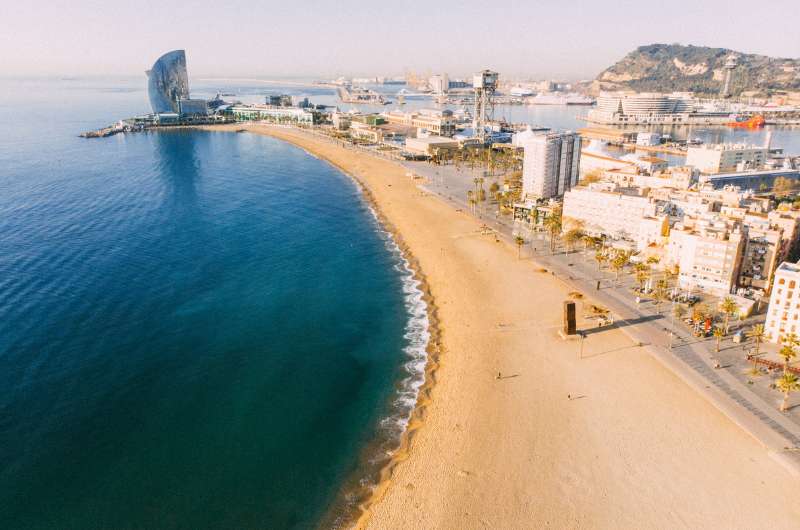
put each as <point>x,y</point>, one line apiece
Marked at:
<point>275,39</point>
<point>399,266</point>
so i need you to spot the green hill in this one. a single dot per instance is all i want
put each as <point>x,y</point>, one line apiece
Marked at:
<point>673,67</point>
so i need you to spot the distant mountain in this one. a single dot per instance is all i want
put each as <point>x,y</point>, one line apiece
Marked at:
<point>673,67</point>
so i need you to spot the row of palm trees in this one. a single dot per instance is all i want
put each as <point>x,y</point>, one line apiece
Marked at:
<point>788,381</point>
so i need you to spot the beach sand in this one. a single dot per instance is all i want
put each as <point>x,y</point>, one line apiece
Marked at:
<point>632,447</point>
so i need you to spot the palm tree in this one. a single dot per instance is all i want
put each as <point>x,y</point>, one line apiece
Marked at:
<point>757,334</point>
<point>729,308</point>
<point>788,353</point>
<point>519,240</point>
<point>552,224</point>
<point>618,263</point>
<point>494,187</point>
<point>642,274</point>
<point>787,384</point>
<point>718,334</point>
<point>601,257</point>
<point>659,294</point>
<point>588,241</point>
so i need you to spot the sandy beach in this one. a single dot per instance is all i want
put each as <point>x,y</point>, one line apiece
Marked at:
<point>609,440</point>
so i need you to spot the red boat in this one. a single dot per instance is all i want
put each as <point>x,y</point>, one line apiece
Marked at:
<point>754,122</point>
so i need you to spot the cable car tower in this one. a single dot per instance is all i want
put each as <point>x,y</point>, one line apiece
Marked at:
<point>731,62</point>
<point>485,85</point>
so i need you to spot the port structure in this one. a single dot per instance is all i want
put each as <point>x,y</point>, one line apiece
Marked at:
<point>485,85</point>
<point>731,62</point>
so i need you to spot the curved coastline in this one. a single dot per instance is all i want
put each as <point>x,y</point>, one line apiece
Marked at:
<point>365,488</point>
<point>505,445</point>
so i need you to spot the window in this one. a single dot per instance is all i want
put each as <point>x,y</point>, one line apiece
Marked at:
<point>791,284</point>
<point>781,281</point>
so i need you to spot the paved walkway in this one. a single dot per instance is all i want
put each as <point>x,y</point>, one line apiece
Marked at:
<point>690,359</point>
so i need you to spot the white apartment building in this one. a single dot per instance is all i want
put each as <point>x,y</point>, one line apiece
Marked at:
<point>679,178</point>
<point>439,84</point>
<point>764,249</point>
<point>726,158</point>
<point>708,252</point>
<point>783,313</point>
<point>605,209</point>
<point>551,164</point>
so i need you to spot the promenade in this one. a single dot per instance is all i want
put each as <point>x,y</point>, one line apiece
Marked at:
<point>747,401</point>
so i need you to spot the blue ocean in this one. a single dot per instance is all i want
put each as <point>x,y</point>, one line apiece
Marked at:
<point>197,330</point>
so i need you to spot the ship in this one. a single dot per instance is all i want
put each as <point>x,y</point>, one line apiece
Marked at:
<point>520,92</point>
<point>560,99</point>
<point>754,122</point>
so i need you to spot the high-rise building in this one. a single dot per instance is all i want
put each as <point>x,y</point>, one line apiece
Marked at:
<point>168,82</point>
<point>439,84</point>
<point>551,164</point>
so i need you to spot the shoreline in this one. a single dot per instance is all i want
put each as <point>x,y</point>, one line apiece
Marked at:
<point>557,440</point>
<point>371,493</point>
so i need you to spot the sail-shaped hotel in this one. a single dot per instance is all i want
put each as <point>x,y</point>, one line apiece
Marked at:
<point>168,82</point>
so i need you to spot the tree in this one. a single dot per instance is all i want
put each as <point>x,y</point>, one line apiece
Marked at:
<point>757,334</point>
<point>787,384</point>
<point>718,334</point>
<point>618,263</point>
<point>783,186</point>
<point>591,176</point>
<point>642,272</point>
<point>588,241</point>
<point>553,224</point>
<point>729,308</point>
<point>600,257</point>
<point>519,240</point>
<point>659,294</point>
<point>494,187</point>
<point>573,236</point>
<point>788,353</point>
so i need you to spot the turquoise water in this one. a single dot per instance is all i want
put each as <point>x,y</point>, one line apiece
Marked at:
<point>197,330</point>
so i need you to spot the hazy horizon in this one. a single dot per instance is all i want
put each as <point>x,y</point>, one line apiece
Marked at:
<point>279,40</point>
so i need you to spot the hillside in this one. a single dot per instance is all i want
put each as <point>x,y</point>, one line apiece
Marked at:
<point>673,67</point>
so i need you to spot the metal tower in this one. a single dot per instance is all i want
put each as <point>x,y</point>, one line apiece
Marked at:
<point>485,85</point>
<point>731,63</point>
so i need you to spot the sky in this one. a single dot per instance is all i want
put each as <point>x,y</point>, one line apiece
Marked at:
<point>310,38</point>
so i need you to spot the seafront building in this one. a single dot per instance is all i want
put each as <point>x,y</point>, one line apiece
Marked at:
<point>607,209</point>
<point>272,113</point>
<point>433,121</point>
<point>726,158</point>
<point>168,82</point>
<point>707,251</point>
<point>783,313</point>
<point>551,164</point>
<point>632,108</point>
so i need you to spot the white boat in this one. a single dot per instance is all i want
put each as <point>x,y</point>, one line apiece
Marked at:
<point>520,92</point>
<point>551,98</point>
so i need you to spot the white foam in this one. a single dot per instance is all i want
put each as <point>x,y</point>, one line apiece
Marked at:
<point>417,336</point>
